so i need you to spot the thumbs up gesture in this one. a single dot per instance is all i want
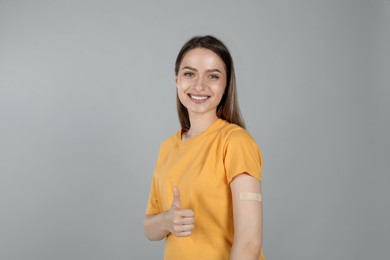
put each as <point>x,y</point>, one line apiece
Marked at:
<point>180,222</point>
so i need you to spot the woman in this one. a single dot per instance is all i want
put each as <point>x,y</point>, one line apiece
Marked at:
<point>205,197</point>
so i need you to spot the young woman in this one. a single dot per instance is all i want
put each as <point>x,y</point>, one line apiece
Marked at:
<point>205,196</point>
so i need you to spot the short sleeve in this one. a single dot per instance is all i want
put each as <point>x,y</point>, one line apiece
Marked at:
<point>152,207</point>
<point>242,154</point>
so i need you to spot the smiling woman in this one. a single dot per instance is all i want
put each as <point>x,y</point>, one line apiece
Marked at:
<point>199,193</point>
<point>201,83</point>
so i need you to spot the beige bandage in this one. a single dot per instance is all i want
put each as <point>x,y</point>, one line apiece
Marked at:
<point>250,196</point>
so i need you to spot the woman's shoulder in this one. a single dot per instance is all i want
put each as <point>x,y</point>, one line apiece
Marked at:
<point>171,139</point>
<point>233,131</point>
<point>175,136</point>
<point>237,140</point>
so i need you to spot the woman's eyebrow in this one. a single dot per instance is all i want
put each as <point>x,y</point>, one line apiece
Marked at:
<point>214,70</point>
<point>209,70</point>
<point>189,68</point>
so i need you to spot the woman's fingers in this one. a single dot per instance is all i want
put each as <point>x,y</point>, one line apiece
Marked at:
<point>183,223</point>
<point>183,230</point>
<point>184,214</point>
<point>181,220</point>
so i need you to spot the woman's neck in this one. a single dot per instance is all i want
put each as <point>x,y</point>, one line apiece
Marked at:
<point>199,124</point>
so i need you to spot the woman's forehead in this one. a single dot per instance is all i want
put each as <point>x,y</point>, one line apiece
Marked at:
<point>202,58</point>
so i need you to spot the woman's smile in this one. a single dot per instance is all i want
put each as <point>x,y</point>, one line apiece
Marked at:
<point>198,98</point>
<point>201,81</point>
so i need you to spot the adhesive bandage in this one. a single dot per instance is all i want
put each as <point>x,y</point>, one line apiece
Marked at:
<point>250,196</point>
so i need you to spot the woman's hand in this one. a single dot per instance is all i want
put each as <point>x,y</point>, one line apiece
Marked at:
<point>179,222</point>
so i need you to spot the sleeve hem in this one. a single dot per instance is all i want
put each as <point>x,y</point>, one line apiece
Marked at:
<point>151,212</point>
<point>254,173</point>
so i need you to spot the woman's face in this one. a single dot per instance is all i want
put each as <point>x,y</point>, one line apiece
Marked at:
<point>201,81</point>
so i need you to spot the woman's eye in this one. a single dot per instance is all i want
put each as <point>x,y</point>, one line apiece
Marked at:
<point>214,76</point>
<point>189,74</point>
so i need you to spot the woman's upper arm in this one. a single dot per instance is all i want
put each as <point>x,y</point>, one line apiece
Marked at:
<point>247,208</point>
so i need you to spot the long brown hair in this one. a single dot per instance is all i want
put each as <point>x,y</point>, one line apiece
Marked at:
<point>228,108</point>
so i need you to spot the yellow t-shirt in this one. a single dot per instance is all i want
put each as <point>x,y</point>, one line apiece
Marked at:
<point>202,168</point>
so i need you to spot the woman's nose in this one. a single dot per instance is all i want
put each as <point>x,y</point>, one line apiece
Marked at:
<point>199,85</point>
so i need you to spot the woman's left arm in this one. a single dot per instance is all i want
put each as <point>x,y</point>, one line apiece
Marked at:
<point>248,217</point>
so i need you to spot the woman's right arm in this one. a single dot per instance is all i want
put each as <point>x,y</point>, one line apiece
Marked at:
<point>154,226</point>
<point>176,220</point>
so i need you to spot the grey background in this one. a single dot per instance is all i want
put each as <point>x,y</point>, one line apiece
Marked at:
<point>87,95</point>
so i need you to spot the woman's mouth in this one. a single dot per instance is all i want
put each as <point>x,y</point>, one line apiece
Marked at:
<point>198,97</point>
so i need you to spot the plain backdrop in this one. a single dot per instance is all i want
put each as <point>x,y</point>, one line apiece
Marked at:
<point>87,95</point>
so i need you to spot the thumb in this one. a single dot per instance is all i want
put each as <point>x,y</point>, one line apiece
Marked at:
<point>176,198</point>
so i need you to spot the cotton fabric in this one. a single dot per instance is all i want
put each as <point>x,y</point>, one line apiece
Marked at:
<point>202,168</point>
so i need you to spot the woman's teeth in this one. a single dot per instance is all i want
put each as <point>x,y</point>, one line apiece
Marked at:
<point>198,97</point>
